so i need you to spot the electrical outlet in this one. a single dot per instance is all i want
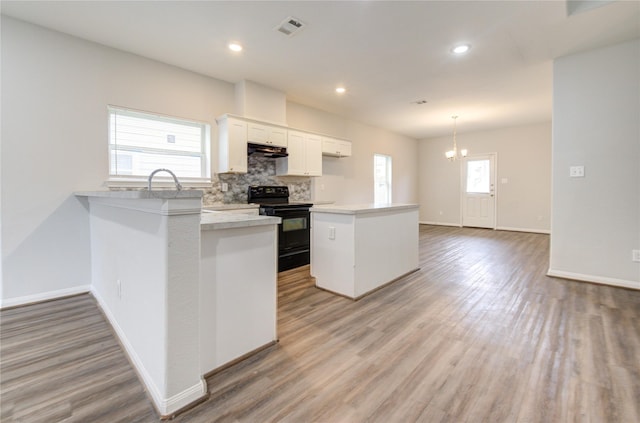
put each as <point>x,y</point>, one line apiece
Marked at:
<point>332,232</point>
<point>635,255</point>
<point>224,187</point>
<point>119,284</point>
<point>576,171</point>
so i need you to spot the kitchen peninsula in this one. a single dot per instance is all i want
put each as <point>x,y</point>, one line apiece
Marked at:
<point>356,249</point>
<point>179,285</point>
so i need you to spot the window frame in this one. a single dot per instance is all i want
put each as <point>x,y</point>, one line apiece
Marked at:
<point>160,180</point>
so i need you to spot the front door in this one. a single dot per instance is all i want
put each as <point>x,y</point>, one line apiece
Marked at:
<point>478,191</point>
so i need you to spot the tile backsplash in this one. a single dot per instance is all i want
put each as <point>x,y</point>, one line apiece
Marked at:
<point>261,171</point>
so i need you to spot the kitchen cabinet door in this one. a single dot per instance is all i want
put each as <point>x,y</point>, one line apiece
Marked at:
<point>344,148</point>
<point>278,136</point>
<point>232,145</point>
<point>313,155</point>
<point>335,147</point>
<point>259,133</point>
<point>329,146</point>
<point>294,164</point>
<point>305,155</point>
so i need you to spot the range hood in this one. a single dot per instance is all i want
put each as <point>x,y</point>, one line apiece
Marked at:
<point>266,151</point>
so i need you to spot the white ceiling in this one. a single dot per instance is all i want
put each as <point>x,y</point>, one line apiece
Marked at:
<point>387,54</point>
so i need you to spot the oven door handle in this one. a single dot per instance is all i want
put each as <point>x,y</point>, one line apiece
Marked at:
<point>294,209</point>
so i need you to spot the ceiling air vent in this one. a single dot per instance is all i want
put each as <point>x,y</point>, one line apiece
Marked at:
<point>290,26</point>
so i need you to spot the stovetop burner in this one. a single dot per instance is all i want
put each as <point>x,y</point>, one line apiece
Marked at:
<point>262,194</point>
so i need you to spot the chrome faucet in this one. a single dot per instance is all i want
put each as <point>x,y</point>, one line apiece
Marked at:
<point>178,186</point>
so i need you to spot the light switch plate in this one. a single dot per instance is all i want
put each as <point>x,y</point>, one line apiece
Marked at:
<point>635,255</point>
<point>576,171</point>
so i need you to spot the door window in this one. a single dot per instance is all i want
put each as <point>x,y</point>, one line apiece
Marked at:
<point>478,176</point>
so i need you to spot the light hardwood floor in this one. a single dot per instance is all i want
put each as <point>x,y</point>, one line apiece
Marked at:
<point>478,334</point>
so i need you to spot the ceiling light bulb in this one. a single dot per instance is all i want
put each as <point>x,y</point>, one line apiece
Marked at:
<point>463,48</point>
<point>235,47</point>
<point>341,90</point>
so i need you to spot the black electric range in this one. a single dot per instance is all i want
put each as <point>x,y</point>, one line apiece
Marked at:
<point>294,231</point>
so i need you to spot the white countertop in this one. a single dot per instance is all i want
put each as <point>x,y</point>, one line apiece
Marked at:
<point>361,208</point>
<point>220,220</point>
<point>232,206</point>
<point>143,194</point>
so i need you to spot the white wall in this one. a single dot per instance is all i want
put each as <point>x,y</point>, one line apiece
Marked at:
<point>596,115</point>
<point>55,92</point>
<point>349,180</point>
<point>523,158</point>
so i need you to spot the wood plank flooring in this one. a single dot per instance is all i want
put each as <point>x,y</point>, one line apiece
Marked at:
<point>478,334</point>
<point>61,362</point>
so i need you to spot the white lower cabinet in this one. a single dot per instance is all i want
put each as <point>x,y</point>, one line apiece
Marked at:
<point>237,301</point>
<point>305,155</point>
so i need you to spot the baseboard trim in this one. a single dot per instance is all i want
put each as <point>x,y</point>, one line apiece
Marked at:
<point>535,231</point>
<point>378,288</point>
<point>44,296</point>
<point>499,228</point>
<point>601,280</point>
<point>165,407</point>
<point>184,400</point>
<point>457,225</point>
<point>239,359</point>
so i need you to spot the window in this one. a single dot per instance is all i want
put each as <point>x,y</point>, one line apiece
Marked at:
<point>141,142</point>
<point>478,176</point>
<point>382,178</point>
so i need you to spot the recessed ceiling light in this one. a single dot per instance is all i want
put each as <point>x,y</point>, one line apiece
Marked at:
<point>341,90</point>
<point>461,49</point>
<point>235,47</point>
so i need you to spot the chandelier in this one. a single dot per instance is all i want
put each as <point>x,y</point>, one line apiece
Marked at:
<point>453,154</point>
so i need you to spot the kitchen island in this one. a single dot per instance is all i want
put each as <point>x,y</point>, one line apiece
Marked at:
<point>356,249</point>
<point>186,291</point>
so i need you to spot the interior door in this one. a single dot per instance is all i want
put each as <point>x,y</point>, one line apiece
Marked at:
<point>478,191</point>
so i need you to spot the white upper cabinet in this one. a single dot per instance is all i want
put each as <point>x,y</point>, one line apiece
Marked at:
<point>305,155</point>
<point>232,145</point>
<point>336,147</point>
<point>259,133</point>
<point>305,149</point>
<point>313,155</point>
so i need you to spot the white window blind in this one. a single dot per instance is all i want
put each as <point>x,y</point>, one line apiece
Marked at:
<point>141,142</point>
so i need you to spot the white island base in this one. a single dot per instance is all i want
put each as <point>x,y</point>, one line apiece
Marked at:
<point>238,287</point>
<point>356,249</point>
